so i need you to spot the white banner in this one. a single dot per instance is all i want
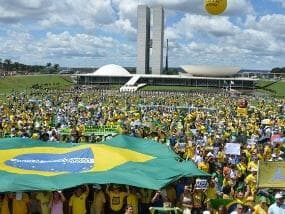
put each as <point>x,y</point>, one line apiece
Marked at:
<point>232,149</point>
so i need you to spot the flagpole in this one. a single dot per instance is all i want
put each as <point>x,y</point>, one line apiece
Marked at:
<point>257,179</point>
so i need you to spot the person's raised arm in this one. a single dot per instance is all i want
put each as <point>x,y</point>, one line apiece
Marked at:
<point>70,206</point>
<point>107,189</point>
<point>86,189</point>
<point>62,197</point>
<point>156,195</point>
<point>50,201</point>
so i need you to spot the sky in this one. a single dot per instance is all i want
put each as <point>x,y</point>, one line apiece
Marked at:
<point>250,34</point>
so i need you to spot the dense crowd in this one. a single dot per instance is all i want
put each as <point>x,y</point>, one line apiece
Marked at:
<point>196,125</point>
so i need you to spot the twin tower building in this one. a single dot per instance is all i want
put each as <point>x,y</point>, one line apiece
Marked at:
<point>150,43</point>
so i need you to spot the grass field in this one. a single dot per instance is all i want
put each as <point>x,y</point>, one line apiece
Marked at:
<point>276,88</point>
<point>23,83</point>
<point>170,88</point>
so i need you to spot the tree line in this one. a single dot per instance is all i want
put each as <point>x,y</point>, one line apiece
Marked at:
<point>278,70</point>
<point>6,66</point>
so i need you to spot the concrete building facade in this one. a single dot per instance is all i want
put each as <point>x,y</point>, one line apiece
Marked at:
<point>143,39</point>
<point>157,40</point>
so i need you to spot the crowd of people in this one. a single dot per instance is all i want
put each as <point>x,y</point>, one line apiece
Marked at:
<point>196,125</point>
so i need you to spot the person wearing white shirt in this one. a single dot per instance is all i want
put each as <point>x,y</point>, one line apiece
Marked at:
<point>278,207</point>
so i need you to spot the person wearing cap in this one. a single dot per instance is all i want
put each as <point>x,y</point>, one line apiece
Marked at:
<point>99,200</point>
<point>261,207</point>
<point>278,207</point>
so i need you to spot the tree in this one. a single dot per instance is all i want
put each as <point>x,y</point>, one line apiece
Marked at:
<point>48,65</point>
<point>56,68</point>
<point>16,66</point>
<point>278,70</point>
<point>7,64</point>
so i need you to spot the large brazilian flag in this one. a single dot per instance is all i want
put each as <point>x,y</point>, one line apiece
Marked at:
<point>27,164</point>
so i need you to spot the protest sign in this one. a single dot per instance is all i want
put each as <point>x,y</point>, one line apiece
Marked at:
<point>232,149</point>
<point>201,184</point>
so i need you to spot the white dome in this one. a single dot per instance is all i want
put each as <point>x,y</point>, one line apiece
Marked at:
<point>111,70</point>
<point>210,71</point>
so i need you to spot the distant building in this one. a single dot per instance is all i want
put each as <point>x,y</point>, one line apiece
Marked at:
<point>209,71</point>
<point>115,74</point>
<point>143,39</point>
<point>144,43</point>
<point>157,40</point>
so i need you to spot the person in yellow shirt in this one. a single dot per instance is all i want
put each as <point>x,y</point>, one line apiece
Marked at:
<point>211,192</point>
<point>189,151</point>
<point>145,199</point>
<point>198,200</point>
<point>240,197</point>
<point>253,164</point>
<point>116,198</point>
<point>171,194</point>
<point>251,179</point>
<point>241,167</point>
<point>261,208</point>
<point>77,202</point>
<point>221,156</point>
<point>99,200</point>
<point>133,200</point>
<point>203,165</point>
<point>44,199</point>
<point>267,152</point>
<point>15,203</point>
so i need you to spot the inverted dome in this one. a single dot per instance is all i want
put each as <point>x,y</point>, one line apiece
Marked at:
<point>210,71</point>
<point>111,70</point>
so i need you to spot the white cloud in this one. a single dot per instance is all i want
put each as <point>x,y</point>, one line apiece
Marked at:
<point>17,10</point>
<point>96,32</point>
<point>216,40</point>
<point>273,23</point>
<point>122,27</point>
<point>85,13</point>
<point>193,25</point>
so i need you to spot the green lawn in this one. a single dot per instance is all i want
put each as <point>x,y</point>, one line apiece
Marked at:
<point>275,88</point>
<point>23,83</point>
<point>170,88</point>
